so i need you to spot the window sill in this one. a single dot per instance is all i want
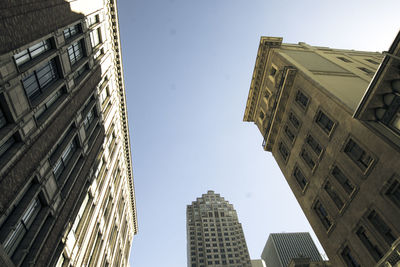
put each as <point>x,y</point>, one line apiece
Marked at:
<point>46,56</point>
<point>47,92</point>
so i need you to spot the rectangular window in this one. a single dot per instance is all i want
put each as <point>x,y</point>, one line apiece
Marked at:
<point>358,155</point>
<point>63,161</point>
<point>322,215</point>
<point>93,19</point>
<point>324,122</point>
<point>367,71</point>
<point>333,195</point>
<point>316,147</point>
<point>7,145</point>
<point>349,258</point>
<point>283,151</point>
<point>48,104</point>
<point>289,133</point>
<point>382,228</point>
<point>95,37</point>
<point>307,159</point>
<point>98,53</point>
<point>78,75</point>
<point>72,31</point>
<point>372,61</point>
<point>293,119</point>
<point>40,79</point>
<point>344,59</point>
<point>300,178</point>
<point>342,179</point>
<point>301,99</point>
<point>75,52</point>
<point>22,226</point>
<point>394,193</point>
<point>89,118</point>
<point>373,249</point>
<point>32,52</point>
<point>3,119</point>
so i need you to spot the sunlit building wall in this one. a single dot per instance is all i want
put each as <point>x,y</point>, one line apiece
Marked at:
<point>214,235</point>
<point>65,162</point>
<point>343,172</point>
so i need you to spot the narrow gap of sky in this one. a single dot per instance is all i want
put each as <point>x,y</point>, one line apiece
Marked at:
<point>187,67</point>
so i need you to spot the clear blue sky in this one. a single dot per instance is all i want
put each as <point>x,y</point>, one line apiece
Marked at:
<point>188,66</point>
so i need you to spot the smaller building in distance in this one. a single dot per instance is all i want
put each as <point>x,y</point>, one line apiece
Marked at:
<point>214,235</point>
<point>281,248</point>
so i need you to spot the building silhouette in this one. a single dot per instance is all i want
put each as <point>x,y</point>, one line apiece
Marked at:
<point>214,235</point>
<point>335,136</point>
<point>67,195</point>
<point>281,248</point>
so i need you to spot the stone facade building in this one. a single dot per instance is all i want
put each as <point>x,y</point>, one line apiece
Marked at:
<point>336,147</point>
<point>67,195</point>
<point>214,235</point>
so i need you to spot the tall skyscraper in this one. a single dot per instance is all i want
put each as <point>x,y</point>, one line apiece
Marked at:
<point>281,248</point>
<point>214,235</point>
<point>337,147</point>
<point>67,195</point>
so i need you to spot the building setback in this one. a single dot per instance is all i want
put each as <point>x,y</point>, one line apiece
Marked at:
<point>67,195</point>
<point>214,235</point>
<point>338,149</point>
<point>281,248</point>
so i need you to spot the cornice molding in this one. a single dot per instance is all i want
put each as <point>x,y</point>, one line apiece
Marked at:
<point>263,56</point>
<point>116,45</point>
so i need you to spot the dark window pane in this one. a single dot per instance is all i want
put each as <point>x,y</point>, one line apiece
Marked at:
<point>333,195</point>
<point>289,133</point>
<point>3,120</point>
<point>6,145</point>
<point>381,227</point>
<point>322,215</point>
<point>394,193</point>
<point>372,248</point>
<point>302,99</point>
<point>307,159</point>
<point>348,258</point>
<point>300,178</point>
<point>342,179</point>
<point>324,122</point>
<point>358,155</point>
<point>293,119</point>
<point>283,151</point>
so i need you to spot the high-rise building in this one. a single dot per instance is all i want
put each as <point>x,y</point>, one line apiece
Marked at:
<point>67,195</point>
<point>214,235</point>
<point>336,142</point>
<point>281,248</point>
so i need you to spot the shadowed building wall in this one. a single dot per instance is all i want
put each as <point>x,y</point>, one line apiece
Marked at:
<point>65,164</point>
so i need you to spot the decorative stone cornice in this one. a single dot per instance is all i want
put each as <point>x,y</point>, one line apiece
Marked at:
<point>263,54</point>
<point>116,45</point>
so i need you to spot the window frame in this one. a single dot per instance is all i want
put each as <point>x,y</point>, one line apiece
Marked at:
<point>300,94</point>
<point>365,169</point>
<point>322,126</point>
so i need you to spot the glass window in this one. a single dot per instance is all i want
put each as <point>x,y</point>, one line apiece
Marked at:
<point>89,119</point>
<point>7,145</point>
<point>367,71</point>
<point>283,151</point>
<point>22,226</point>
<point>75,52</point>
<point>300,178</point>
<point>358,155</point>
<point>344,59</point>
<point>349,258</point>
<point>372,61</point>
<point>3,120</point>
<point>78,75</point>
<point>333,195</point>
<point>382,227</point>
<point>289,133</point>
<point>95,37</point>
<point>301,99</point>
<point>342,179</point>
<point>307,159</point>
<point>372,248</point>
<point>48,104</point>
<point>32,52</point>
<point>93,19</point>
<point>40,79</point>
<point>72,31</point>
<point>322,215</point>
<point>293,119</point>
<point>324,122</point>
<point>62,162</point>
<point>394,192</point>
<point>316,147</point>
